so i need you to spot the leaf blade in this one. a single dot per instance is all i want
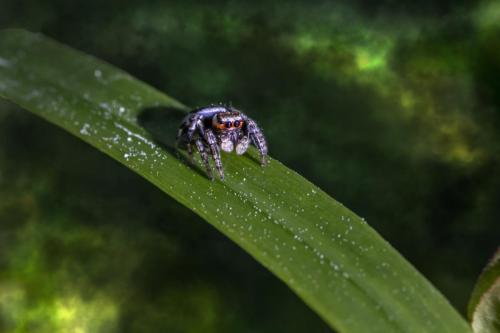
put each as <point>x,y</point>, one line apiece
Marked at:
<point>484,305</point>
<point>331,258</point>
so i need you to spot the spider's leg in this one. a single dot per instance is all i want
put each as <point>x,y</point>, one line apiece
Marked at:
<point>204,156</point>
<point>178,138</point>
<point>186,132</point>
<point>194,123</point>
<point>189,149</point>
<point>258,139</point>
<point>214,148</point>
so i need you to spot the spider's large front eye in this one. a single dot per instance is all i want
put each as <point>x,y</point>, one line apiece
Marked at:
<point>228,124</point>
<point>236,123</point>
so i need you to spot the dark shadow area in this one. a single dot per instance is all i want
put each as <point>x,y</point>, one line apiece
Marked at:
<point>162,123</point>
<point>253,157</point>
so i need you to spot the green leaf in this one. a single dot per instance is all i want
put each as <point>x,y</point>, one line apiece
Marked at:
<point>329,256</point>
<point>484,305</point>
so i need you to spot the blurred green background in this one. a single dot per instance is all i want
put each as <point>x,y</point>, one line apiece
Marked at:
<point>393,108</point>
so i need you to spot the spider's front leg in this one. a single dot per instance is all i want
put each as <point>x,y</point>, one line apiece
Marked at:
<point>258,139</point>
<point>214,148</point>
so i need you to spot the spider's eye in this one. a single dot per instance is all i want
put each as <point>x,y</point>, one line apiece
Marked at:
<point>228,124</point>
<point>236,123</point>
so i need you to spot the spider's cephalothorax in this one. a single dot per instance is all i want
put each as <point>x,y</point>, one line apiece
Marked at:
<point>220,127</point>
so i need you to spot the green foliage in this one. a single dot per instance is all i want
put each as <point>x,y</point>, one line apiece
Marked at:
<point>76,241</point>
<point>397,113</point>
<point>330,257</point>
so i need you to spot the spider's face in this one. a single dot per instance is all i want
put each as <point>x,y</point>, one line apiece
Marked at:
<point>227,121</point>
<point>227,126</point>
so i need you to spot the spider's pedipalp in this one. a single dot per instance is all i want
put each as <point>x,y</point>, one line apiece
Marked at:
<point>242,145</point>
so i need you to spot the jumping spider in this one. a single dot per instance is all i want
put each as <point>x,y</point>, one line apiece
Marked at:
<point>214,127</point>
